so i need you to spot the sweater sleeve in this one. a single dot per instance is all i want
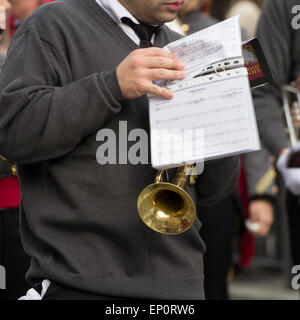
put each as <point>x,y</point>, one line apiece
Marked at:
<point>275,36</point>
<point>218,180</point>
<point>40,118</point>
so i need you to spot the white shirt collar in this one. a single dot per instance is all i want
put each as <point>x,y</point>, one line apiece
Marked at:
<point>115,10</point>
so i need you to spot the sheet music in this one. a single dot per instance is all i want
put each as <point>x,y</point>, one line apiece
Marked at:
<point>219,113</point>
<point>216,43</point>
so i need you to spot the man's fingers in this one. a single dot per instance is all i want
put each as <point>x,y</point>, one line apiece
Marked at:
<point>163,62</point>
<point>155,51</point>
<point>164,74</point>
<point>159,91</point>
<point>137,71</point>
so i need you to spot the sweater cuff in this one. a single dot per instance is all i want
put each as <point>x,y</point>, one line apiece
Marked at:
<point>112,84</point>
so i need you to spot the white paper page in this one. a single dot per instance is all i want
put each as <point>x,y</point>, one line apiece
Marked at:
<point>222,109</point>
<point>216,43</point>
<point>175,147</point>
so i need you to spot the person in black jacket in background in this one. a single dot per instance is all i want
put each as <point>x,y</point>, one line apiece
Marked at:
<point>279,34</point>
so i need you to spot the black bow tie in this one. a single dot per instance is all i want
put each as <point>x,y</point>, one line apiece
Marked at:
<point>143,31</point>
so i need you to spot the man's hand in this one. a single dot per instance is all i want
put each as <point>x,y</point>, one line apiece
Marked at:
<point>261,213</point>
<point>137,71</point>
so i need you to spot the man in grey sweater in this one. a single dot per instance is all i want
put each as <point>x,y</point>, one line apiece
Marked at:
<point>73,69</point>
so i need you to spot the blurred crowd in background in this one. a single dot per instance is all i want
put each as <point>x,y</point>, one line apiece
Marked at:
<point>261,194</point>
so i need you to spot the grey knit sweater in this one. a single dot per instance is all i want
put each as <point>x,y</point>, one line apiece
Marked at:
<point>79,221</point>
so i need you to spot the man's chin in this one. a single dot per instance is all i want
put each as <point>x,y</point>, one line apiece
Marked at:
<point>160,18</point>
<point>167,18</point>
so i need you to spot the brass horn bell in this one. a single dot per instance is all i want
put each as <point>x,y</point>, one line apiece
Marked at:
<point>165,207</point>
<point>13,166</point>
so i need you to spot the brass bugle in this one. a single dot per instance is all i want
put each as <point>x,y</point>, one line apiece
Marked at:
<point>12,165</point>
<point>165,207</point>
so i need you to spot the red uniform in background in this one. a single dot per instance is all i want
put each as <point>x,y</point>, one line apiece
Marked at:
<point>9,193</point>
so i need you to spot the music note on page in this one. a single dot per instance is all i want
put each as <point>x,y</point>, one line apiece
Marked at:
<point>218,115</point>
